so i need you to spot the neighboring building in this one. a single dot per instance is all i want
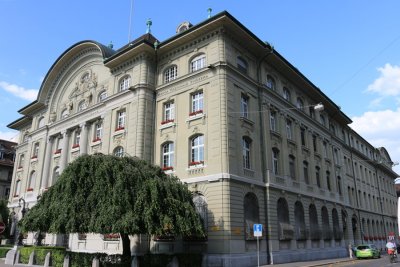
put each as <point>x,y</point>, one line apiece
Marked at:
<point>7,157</point>
<point>230,117</point>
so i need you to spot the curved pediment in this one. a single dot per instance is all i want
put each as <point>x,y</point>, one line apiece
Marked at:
<point>384,156</point>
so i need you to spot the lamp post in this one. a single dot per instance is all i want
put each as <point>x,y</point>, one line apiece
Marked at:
<point>397,186</point>
<point>23,211</point>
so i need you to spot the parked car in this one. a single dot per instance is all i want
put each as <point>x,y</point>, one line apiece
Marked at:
<point>367,251</point>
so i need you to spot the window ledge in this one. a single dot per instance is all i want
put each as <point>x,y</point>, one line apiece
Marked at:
<point>195,117</point>
<point>167,125</point>
<point>246,120</point>
<point>96,142</point>
<point>34,159</point>
<point>73,149</point>
<point>119,131</point>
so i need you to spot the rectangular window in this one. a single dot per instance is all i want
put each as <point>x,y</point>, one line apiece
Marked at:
<point>305,171</point>
<point>171,74</point>
<point>121,116</point>
<point>77,139</point>
<point>275,161</point>
<point>35,153</point>
<point>197,150</point>
<point>21,161</point>
<point>246,153</point>
<point>244,106</point>
<point>303,136</point>
<point>197,103</point>
<point>292,167</point>
<point>318,176</point>
<point>289,134</point>
<point>98,131</point>
<point>314,139</point>
<point>169,112</point>
<point>325,150</point>
<point>168,156</point>
<point>272,121</point>
<point>328,181</point>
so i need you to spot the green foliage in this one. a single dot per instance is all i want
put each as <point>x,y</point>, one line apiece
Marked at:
<point>3,251</point>
<point>107,194</point>
<point>4,217</point>
<point>57,255</point>
<point>80,259</point>
<point>24,254</point>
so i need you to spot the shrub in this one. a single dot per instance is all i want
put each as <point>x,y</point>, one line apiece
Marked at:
<point>24,254</point>
<point>57,255</point>
<point>3,251</point>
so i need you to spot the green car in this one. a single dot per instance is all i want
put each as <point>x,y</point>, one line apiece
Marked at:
<point>367,251</point>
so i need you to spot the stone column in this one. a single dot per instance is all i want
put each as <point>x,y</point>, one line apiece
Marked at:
<point>84,138</point>
<point>64,151</point>
<point>47,160</point>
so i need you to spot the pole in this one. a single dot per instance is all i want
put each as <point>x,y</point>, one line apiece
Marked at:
<point>397,186</point>
<point>258,252</point>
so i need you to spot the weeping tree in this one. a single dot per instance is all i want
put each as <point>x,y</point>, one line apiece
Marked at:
<point>107,194</point>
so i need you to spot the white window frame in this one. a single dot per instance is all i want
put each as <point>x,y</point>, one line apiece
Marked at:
<point>32,180</point>
<point>275,161</point>
<point>98,131</point>
<point>124,83</point>
<point>242,64</point>
<point>102,96</point>
<point>77,137</point>
<point>198,63</point>
<point>246,152</point>
<point>271,84</point>
<point>289,133</point>
<point>169,111</point>
<point>286,94</point>
<point>197,149</point>
<point>300,104</point>
<point>41,122</point>
<point>168,155</point>
<point>171,73</point>
<point>35,150</point>
<point>17,191</point>
<point>244,106</point>
<point>119,151</point>
<point>197,104</point>
<point>272,121</point>
<point>121,119</point>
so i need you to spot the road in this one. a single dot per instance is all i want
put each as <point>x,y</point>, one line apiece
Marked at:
<point>382,262</point>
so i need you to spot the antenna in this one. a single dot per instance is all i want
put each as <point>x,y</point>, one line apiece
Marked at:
<point>130,22</point>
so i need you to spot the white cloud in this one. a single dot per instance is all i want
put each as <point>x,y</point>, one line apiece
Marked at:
<point>388,83</point>
<point>18,91</point>
<point>9,136</point>
<point>381,129</point>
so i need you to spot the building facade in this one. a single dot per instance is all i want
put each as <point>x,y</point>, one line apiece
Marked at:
<point>7,157</point>
<point>252,137</point>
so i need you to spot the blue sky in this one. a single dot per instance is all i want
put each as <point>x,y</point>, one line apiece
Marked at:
<point>348,48</point>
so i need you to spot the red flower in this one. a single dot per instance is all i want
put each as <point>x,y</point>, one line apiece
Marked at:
<point>58,151</point>
<point>97,139</point>
<point>29,189</point>
<point>75,145</point>
<point>167,121</point>
<point>200,111</point>
<point>34,157</point>
<point>120,128</point>
<point>167,168</point>
<point>193,163</point>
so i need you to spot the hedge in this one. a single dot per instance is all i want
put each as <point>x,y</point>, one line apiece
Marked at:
<point>57,255</point>
<point>4,250</point>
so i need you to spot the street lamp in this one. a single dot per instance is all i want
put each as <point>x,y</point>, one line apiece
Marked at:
<point>23,211</point>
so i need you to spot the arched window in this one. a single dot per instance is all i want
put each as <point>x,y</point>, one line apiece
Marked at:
<point>246,152</point>
<point>315,233</point>
<point>300,103</point>
<point>198,63</point>
<point>82,105</point>
<point>337,232</point>
<point>271,83</point>
<point>31,181</point>
<point>286,94</point>
<point>301,233</point>
<point>197,150</point>
<point>242,64</point>
<point>201,206</point>
<point>275,161</point>
<point>286,230</point>
<point>119,151</point>
<point>326,229</point>
<point>251,214</point>
<point>56,174</point>
<point>170,74</point>
<point>40,122</point>
<point>102,96</point>
<point>124,83</point>
<point>168,156</point>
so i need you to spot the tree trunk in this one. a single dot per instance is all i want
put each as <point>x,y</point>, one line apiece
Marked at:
<point>126,247</point>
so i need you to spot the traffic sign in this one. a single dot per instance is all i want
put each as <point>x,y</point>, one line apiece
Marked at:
<point>2,227</point>
<point>257,228</point>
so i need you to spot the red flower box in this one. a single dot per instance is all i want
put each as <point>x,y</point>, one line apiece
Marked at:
<point>58,151</point>
<point>29,189</point>
<point>15,195</point>
<point>75,145</point>
<point>193,163</point>
<point>200,111</point>
<point>167,121</point>
<point>120,128</point>
<point>167,168</point>
<point>96,139</point>
<point>34,157</point>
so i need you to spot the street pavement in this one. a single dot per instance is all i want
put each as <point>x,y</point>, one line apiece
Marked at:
<point>292,264</point>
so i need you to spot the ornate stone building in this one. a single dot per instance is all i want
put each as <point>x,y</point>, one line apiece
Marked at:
<point>7,156</point>
<point>253,138</point>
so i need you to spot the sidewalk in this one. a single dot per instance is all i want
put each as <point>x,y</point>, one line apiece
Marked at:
<point>311,263</point>
<point>291,264</point>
